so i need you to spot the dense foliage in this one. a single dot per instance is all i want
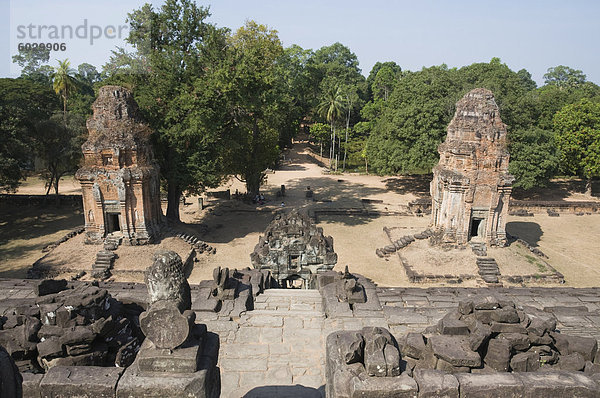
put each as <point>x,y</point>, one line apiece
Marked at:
<point>226,103</point>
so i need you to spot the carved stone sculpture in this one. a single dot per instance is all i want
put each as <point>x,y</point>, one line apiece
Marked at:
<point>166,281</point>
<point>294,250</point>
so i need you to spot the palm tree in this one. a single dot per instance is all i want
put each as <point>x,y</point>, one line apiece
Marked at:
<point>64,83</point>
<point>331,108</point>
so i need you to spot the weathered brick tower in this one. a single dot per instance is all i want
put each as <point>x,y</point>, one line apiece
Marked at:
<point>471,185</point>
<point>119,177</point>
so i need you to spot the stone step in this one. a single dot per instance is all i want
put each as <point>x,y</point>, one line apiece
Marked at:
<point>284,312</point>
<point>292,292</point>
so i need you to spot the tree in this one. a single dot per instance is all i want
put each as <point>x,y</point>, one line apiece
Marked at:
<point>331,108</point>
<point>578,137</point>
<point>563,76</point>
<point>254,102</point>
<point>23,103</point>
<point>58,144</point>
<point>33,64</point>
<point>64,83</point>
<point>384,81</point>
<point>319,132</point>
<point>175,73</point>
<point>88,74</point>
<point>534,157</point>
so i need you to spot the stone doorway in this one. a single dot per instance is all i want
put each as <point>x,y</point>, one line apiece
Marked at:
<point>112,222</point>
<point>294,282</point>
<point>477,230</point>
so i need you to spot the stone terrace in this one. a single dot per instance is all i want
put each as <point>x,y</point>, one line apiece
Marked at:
<point>278,349</point>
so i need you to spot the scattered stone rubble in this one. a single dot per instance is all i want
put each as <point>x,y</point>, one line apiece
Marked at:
<point>294,250</point>
<point>346,295</point>
<point>83,326</point>
<point>231,293</point>
<point>490,335</point>
<point>470,352</point>
<point>402,242</point>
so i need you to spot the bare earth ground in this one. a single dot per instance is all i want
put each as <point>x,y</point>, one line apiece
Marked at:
<point>233,228</point>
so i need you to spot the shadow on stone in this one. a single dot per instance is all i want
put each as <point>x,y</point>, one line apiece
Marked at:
<point>296,391</point>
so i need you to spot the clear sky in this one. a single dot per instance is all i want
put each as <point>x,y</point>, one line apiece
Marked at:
<point>530,34</point>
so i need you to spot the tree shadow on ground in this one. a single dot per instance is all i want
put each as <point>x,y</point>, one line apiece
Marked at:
<point>28,222</point>
<point>530,232</point>
<point>415,184</point>
<point>296,391</point>
<point>557,190</point>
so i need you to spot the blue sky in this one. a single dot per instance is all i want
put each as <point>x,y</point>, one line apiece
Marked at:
<point>534,35</point>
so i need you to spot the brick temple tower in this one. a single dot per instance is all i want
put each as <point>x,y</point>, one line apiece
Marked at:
<point>471,185</point>
<point>119,177</point>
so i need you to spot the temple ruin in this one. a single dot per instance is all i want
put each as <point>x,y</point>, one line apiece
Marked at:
<point>119,177</point>
<point>471,185</point>
<point>294,250</point>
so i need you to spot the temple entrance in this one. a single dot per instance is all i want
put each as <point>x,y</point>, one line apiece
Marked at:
<point>112,222</point>
<point>293,282</point>
<point>477,229</point>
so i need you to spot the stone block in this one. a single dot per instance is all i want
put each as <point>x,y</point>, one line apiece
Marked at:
<point>384,387</point>
<point>80,381</point>
<point>484,316</point>
<point>436,384</point>
<point>498,355</point>
<point>179,360</point>
<point>498,327</point>
<point>414,345</point>
<point>31,385</point>
<point>505,315</point>
<point>556,384</point>
<point>455,350</point>
<point>518,342</point>
<point>78,335</point>
<point>496,385</point>
<point>569,344</point>
<point>465,307</point>
<point>49,286</point>
<point>573,362</point>
<point>392,360</point>
<point>480,334</point>
<point>525,362</point>
<point>591,368</point>
<point>374,358</point>
<point>450,325</point>
<point>50,347</point>
<point>485,303</point>
<point>444,366</point>
<point>205,383</point>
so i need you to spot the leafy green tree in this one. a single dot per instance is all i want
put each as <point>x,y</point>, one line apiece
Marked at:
<point>320,132</point>
<point>23,103</point>
<point>534,157</point>
<point>88,74</point>
<point>254,99</point>
<point>563,76</point>
<point>33,63</point>
<point>578,137</point>
<point>175,72</point>
<point>384,81</point>
<point>58,144</point>
<point>64,82</point>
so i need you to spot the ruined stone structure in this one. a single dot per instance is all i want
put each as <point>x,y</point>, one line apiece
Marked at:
<point>178,357</point>
<point>471,185</point>
<point>294,250</point>
<point>119,177</point>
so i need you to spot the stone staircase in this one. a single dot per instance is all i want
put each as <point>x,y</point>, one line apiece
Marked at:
<point>105,260</point>
<point>478,248</point>
<point>488,269</point>
<point>112,242</point>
